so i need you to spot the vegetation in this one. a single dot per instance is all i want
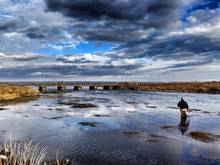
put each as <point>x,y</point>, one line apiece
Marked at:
<point>26,153</point>
<point>193,87</point>
<point>10,92</point>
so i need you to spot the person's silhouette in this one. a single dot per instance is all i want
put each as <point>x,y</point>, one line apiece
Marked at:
<point>183,107</point>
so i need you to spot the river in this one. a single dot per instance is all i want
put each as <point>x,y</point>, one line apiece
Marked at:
<point>117,127</point>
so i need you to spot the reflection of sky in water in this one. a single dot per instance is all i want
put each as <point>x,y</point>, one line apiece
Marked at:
<point>57,125</point>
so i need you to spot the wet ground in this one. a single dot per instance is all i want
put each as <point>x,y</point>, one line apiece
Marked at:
<point>118,127</point>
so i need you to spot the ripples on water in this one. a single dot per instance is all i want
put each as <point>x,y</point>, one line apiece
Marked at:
<point>134,128</point>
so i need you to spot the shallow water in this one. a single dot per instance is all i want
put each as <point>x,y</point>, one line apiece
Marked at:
<point>124,128</point>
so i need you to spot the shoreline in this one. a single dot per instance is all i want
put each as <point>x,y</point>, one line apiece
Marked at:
<point>10,93</point>
<point>186,87</point>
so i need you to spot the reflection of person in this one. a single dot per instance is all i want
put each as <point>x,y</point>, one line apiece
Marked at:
<point>183,107</point>
<point>184,124</point>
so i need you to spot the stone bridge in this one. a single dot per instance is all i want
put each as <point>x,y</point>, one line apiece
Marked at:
<point>61,86</point>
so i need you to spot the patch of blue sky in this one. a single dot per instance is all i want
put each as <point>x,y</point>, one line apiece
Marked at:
<point>65,48</point>
<point>199,5</point>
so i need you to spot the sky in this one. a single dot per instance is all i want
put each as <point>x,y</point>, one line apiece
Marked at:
<point>117,40</point>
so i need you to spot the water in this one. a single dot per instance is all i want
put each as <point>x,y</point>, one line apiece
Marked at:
<point>126,127</point>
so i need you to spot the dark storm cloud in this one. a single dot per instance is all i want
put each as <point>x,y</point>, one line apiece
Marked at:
<point>8,24</point>
<point>177,46</point>
<point>112,35</point>
<point>115,9</point>
<point>95,9</point>
<point>182,47</point>
<point>118,20</point>
<point>141,15</point>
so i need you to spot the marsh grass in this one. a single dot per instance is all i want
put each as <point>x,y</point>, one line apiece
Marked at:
<point>192,87</point>
<point>26,153</point>
<point>9,92</point>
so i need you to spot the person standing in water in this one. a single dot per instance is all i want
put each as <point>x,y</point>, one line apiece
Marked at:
<point>183,107</point>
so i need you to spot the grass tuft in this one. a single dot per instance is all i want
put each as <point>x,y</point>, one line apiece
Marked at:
<point>26,153</point>
<point>9,92</point>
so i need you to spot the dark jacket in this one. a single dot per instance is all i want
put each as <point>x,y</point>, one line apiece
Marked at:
<point>183,105</point>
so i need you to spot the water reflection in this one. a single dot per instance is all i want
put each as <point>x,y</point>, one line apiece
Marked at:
<point>184,124</point>
<point>61,121</point>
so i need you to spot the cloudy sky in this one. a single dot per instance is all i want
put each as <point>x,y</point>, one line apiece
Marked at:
<point>110,40</point>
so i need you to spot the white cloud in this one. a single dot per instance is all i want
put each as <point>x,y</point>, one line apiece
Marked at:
<point>33,27</point>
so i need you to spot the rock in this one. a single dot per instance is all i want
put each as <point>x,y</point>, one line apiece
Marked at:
<point>131,111</point>
<point>56,117</point>
<point>196,110</point>
<point>153,140</point>
<point>59,109</point>
<point>2,109</point>
<point>168,127</point>
<point>65,103</point>
<point>151,106</point>
<point>112,106</point>
<point>130,133</point>
<point>83,105</point>
<point>91,124</point>
<point>132,102</point>
<point>157,136</point>
<point>206,112</point>
<point>98,115</point>
<point>203,136</point>
<point>172,107</point>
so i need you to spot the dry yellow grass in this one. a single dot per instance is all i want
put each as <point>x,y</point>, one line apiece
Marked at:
<point>26,153</point>
<point>8,92</point>
<point>193,87</point>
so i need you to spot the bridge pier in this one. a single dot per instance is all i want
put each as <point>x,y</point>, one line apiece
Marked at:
<point>77,88</point>
<point>115,87</point>
<point>60,87</point>
<point>92,87</point>
<point>42,88</point>
<point>106,87</point>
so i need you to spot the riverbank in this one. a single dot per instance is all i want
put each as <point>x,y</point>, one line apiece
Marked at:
<point>212,87</point>
<point>11,92</point>
<point>188,87</point>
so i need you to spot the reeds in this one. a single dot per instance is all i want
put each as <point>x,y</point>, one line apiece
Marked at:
<point>26,153</point>
<point>9,92</point>
<point>192,87</point>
